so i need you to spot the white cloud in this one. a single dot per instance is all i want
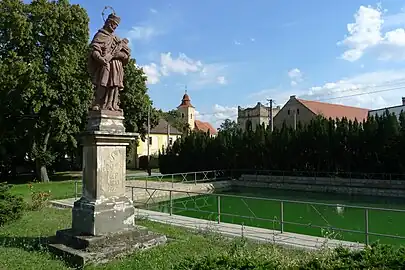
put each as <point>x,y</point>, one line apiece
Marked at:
<point>252,39</point>
<point>387,86</point>
<point>142,33</point>
<point>152,10</point>
<point>152,72</point>
<point>237,42</point>
<point>295,75</point>
<point>182,64</point>
<point>222,80</point>
<point>200,73</point>
<point>366,34</point>
<point>218,114</point>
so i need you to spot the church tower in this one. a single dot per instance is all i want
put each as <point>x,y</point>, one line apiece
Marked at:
<point>187,111</point>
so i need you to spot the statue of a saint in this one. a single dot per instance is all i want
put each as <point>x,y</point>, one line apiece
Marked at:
<point>108,56</point>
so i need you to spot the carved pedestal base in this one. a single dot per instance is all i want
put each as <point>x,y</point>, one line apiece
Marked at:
<point>103,218</point>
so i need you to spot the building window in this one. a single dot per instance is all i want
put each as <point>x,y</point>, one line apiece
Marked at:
<point>288,111</point>
<point>191,116</point>
<point>182,115</point>
<point>170,141</point>
<point>298,111</point>
<point>150,140</point>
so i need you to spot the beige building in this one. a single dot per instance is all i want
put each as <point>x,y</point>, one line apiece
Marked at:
<point>187,113</point>
<point>394,109</point>
<point>299,110</point>
<point>257,115</point>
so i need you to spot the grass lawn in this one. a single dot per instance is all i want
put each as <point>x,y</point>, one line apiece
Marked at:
<point>58,190</point>
<point>22,245</point>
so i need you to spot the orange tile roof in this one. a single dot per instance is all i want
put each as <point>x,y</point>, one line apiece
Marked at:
<point>334,111</point>
<point>205,126</point>
<point>185,102</point>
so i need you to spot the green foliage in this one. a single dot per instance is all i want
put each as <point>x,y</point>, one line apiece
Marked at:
<point>373,257</point>
<point>336,146</point>
<point>44,85</point>
<point>135,100</point>
<point>11,206</point>
<point>229,125</point>
<point>174,118</point>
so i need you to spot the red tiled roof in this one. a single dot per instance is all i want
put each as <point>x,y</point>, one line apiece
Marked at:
<point>334,111</point>
<point>185,102</point>
<point>204,126</point>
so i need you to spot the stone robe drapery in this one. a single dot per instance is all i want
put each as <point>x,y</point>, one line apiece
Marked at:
<point>110,75</point>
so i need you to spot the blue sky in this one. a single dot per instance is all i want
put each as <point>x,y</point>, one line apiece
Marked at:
<point>232,53</point>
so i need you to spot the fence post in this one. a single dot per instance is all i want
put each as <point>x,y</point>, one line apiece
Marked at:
<point>195,178</point>
<point>219,208</point>
<point>366,225</point>
<point>172,179</point>
<point>75,189</point>
<point>281,216</point>
<point>132,194</point>
<point>171,203</point>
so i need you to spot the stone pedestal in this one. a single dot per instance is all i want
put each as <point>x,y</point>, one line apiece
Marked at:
<point>104,215</point>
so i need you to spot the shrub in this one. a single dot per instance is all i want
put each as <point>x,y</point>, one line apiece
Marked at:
<point>11,206</point>
<point>375,256</point>
<point>39,199</point>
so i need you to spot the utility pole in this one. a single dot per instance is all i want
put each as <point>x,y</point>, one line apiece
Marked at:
<point>271,114</point>
<point>148,144</point>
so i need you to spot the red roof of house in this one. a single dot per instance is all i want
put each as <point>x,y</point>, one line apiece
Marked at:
<point>329,110</point>
<point>204,126</point>
<point>185,102</point>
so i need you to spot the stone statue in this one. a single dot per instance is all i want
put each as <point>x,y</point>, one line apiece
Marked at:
<point>108,56</point>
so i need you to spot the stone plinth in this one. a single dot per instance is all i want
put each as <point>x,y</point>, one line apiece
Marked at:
<point>103,208</point>
<point>103,224</point>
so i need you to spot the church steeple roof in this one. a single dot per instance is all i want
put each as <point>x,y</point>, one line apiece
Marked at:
<point>185,102</point>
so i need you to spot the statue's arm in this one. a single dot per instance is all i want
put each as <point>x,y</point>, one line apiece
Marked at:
<point>97,56</point>
<point>121,56</point>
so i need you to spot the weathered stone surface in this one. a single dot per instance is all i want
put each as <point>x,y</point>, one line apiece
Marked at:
<point>78,250</point>
<point>372,187</point>
<point>103,216</point>
<point>103,225</point>
<point>105,120</point>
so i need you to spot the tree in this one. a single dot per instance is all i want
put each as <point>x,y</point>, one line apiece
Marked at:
<point>44,90</point>
<point>229,125</point>
<point>335,146</point>
<point>174,118</point>
<point>135,100</point>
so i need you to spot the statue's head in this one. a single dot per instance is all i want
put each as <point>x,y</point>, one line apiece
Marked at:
<point>112,22</point>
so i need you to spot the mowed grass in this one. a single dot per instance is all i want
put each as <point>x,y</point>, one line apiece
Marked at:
<point>57,190</point>
<point>23,245</point>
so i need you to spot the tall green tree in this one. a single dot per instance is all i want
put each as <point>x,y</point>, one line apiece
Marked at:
<point>229,125</point>
<point>45,44</point>
<point>136,101</point>
<point>340,147</point>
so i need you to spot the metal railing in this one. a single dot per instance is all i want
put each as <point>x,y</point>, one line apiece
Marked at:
<point>281,221</point>
<point>188,177</point>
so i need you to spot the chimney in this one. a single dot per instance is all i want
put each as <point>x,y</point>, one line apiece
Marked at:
<point>403,100</point>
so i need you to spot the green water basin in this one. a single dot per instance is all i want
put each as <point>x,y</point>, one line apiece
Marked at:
<point>261,208</point>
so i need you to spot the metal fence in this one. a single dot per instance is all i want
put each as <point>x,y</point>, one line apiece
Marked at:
<point>188,177</point>
<point>172,195</point>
